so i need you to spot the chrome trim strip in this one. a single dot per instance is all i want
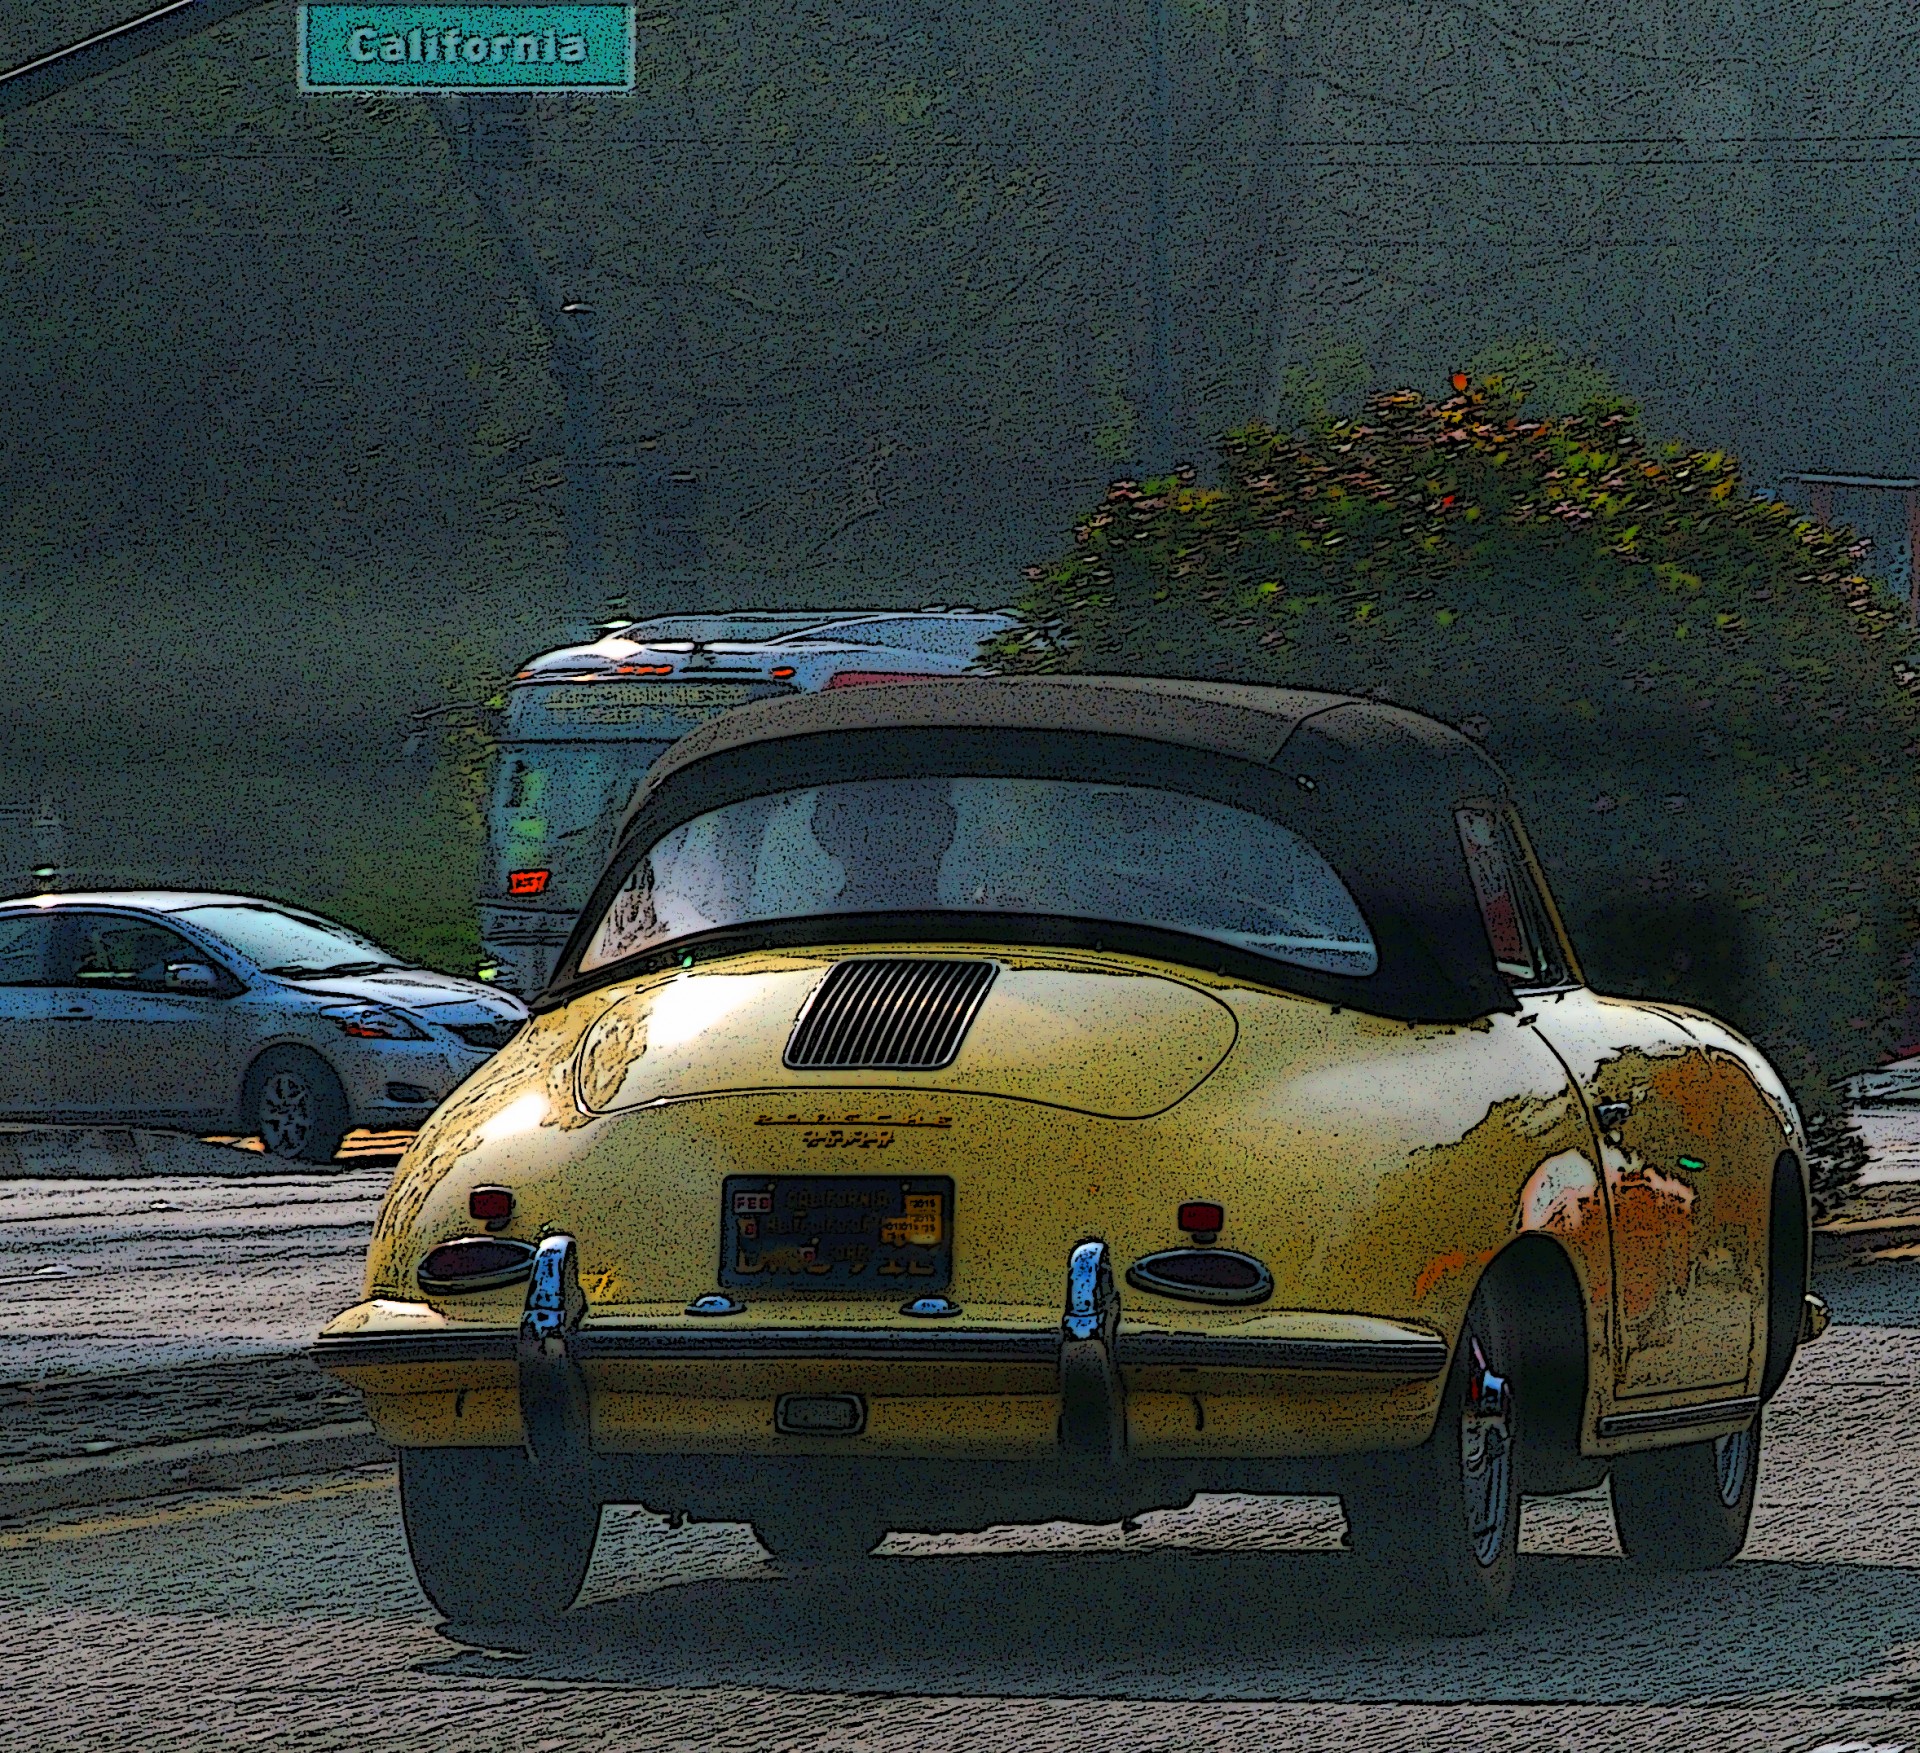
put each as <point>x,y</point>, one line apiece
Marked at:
<point>1679,1417</point>
<point>1424,1358</point>
<point>1417,1358</point>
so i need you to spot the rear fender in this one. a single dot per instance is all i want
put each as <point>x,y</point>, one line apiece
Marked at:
<point>1535,1283</point>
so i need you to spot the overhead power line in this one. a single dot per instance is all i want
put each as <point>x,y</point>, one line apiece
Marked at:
<point>50,74</point>
<point>786,156</point>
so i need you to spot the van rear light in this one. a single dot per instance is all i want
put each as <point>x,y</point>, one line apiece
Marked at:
<point>1203,1275</point>
<point>528,882</point>
<point>475,1263</point>
<point>873,678</point>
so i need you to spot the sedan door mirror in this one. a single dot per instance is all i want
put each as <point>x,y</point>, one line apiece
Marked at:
<point>195,977</point>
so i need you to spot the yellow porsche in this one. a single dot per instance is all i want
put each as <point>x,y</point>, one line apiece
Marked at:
<point>1015,1099</point>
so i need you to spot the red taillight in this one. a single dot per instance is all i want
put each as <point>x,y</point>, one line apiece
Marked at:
<point>475,1263</point>
<point>528,882</point>
<point>1203,1275</point>
<point>1202,1218</point>
<point>490,1204</point>
<point>873,678</point>
<point>784,671</point>
<point>643,669</point>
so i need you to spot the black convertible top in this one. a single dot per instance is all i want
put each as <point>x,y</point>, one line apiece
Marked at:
<point>1373,786</point>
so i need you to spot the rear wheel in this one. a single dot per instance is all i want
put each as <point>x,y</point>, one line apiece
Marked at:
<point>490,1545</point>
<point>296,1105</point>
<point>1440,1524</point>
<point>797,1534</point>
<point>1687,1508</point>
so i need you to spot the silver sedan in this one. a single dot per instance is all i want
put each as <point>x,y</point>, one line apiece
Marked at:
<point>225,1013</point>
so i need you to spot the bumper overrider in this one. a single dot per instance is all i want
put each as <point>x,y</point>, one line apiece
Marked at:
<point>1087,1355</point>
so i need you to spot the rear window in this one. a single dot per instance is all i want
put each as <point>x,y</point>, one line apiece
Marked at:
<point>1074,849</point>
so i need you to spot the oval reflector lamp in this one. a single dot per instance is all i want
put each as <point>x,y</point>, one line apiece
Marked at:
<point>475,1263</point>
<point>1203,1275</point>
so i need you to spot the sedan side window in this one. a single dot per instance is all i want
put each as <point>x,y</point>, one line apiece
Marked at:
<point>126,955</point>
<point>1510,905</point>
<point>25,942</point>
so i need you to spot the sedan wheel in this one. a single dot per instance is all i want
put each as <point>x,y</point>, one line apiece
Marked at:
<point>1687,1508</point>
<point>297,1106</point>
<point>1440,1525</point>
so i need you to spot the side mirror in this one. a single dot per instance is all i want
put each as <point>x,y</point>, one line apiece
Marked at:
<point>195,977</point>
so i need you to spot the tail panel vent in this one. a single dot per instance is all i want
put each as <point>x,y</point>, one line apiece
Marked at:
<point>883,1013</point>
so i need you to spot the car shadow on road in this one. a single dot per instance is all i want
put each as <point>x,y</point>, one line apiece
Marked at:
<point>1237,1625</point>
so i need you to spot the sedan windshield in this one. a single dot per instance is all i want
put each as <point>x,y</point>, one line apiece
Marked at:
<point>1060,848</point>
<point>287,945</point>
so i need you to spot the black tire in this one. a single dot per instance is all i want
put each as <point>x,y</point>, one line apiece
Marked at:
<point>489,1546</point>
<point>296,1106</point>
<point>804,1535</point>
<point>1687,1508</point>
<point>1440,1525</point>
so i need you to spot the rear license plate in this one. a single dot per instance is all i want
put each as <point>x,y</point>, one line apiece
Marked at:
<point>881,1233</point>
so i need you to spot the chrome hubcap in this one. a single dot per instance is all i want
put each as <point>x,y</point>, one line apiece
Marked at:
<point>1486,1456</point>
<point>1732,1456</point>
<point>286,1113</point>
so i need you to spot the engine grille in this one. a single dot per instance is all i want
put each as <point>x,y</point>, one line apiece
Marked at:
<point>883,1013</point>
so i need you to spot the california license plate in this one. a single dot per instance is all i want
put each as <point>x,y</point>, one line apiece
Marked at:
<point>881,1233</point>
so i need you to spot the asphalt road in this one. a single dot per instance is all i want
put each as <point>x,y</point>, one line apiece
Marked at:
<point>162,1310</point>
<point>284,1616</point>
<point>99,1276</point>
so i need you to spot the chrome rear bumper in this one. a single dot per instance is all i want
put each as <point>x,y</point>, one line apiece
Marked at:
<point>1088,1344</point>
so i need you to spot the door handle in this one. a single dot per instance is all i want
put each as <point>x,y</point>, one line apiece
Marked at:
<point>1612,1114</point>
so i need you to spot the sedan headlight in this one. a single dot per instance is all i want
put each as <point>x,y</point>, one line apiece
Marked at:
<point>374,1022</point>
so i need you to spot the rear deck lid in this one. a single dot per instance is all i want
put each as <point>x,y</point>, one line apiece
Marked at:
<point>1113,1041</point>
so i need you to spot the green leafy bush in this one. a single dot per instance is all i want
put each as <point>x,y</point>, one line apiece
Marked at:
<point>1704,705</point>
